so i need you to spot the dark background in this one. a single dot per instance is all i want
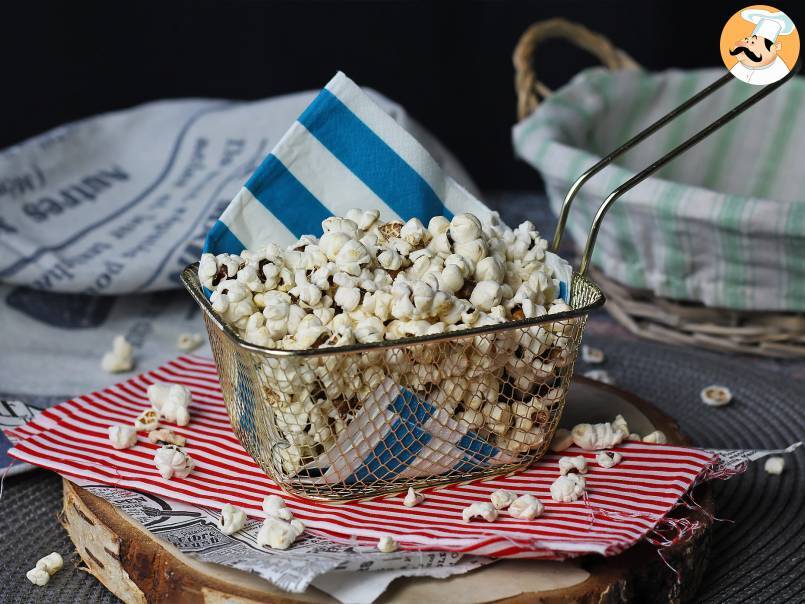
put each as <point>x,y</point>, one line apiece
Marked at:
<point>448,63</point>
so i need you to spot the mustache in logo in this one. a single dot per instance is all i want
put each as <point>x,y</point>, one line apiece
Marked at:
<point>743,49</point>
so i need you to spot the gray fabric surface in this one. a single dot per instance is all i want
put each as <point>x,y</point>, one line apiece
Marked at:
<point>757,557</point>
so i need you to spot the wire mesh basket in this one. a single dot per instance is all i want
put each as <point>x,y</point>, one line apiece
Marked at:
<point>348,422</point>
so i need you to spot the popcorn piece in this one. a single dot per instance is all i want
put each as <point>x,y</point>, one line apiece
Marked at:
<point>37,576</point>
<point>51,564</point>
<point>171,461</point>
<point>774,465</point>
<point>572,464</point>
<point>188,342</point>
<point>480,509</point>
<point>502,499</point>
<point>593,356</point>
<point>526,507</point>
<point>412,498</point>
<point>166,436</point>
<point>464,227</point>
<point>657,437</point>
<point>716,396</point>
<point>275,507</point>
<point>568,488</point>
<point>562,439</point>
<point>387,544</point>
<point>608,459</point>
<point>147,420</point>
<point>232,519</point>
<point>279,534</point>
<point>599,375</point>
<point>120,359</point>
<point>172,402</point>
<point>485,295</point>
<point>122,436</point>
<point>600,436</point>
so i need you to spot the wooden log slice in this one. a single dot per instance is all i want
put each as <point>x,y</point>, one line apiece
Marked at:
<point>138,567</point>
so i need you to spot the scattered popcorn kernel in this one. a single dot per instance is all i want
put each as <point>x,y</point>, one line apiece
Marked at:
<point>274,506</point>
<point>716,396</point>
<point>481,509</point>
<point>774,465</point>
<point>38,576</point>
<point>562,439</point>
<point>51,564</point>
<point>387,544</point>
<point>122,436</point>
<point>568,488</point>
<point>599,375</point>
<point>502,499</point>
<point>657,437</point>
<point>187,342</point>
<point>278,534</point>
<point>232,519</point>
<point>412,498</point>
<point>172,401</point>
<point>166,436</point>
<point>171,461</point>
<point>572,464</point>
<point>608,459</point>
<point>526,507</point>
<point>120,358</point>
<point>147,420</point>
<point>591,355</point>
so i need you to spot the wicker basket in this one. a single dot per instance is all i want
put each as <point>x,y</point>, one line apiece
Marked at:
<point>379,418</point>
<point>682,320</point>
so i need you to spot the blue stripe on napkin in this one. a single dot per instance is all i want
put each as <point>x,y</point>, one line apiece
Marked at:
<point>393,454</point>
<point>371,159</point>
<point>411,408</point>
<point>220,240</point>
<point>479,452</point>
<point>287,198</point>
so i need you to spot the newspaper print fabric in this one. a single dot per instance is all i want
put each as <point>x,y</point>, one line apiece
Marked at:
<point>622,505</point>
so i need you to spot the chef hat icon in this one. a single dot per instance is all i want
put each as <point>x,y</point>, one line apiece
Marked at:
<point>768,25</point>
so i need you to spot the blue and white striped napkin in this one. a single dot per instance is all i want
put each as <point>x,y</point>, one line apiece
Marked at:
<point>343,152</point>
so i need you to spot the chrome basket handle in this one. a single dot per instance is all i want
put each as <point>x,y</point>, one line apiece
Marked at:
<point>656,165</point>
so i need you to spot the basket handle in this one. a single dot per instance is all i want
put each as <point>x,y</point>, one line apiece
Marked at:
<point>530,91</point>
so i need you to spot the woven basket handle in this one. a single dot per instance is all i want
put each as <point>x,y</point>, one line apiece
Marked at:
<point>530,91</point>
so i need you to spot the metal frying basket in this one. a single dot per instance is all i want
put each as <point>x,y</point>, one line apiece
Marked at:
<point>357,421</point>
<point>349,422</point>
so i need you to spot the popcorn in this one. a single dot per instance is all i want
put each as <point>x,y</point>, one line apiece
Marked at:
<point>480,509</point>
<point>592,355</point>
<point>716,396</point>
<point>122,436</point>
<point>562,439</point>
<point>599,375</point>
<point>166,436</point>
<point>147,420</point>
<point>120,359</point>
<point>387,544</point>
<point>567,488</point>
<point>502,499</point>
<point>37,576</point>
<point>526,507</point>
<point>232,519</point>
<point>412,498</point>
<point>171,461</point>
<point>774,465</point>
<point>279,534</point>
<point>572,464</point>
<point>171,401</point>
<point>657,437</point>
<point>600,436</point>
<point>365,281</point>
<point>608,459</point>
<point>275,507</point>
<point>51,564</point>
<point>187,342</point>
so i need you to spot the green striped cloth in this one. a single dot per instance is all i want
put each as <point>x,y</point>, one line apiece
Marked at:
<point>723,224</point>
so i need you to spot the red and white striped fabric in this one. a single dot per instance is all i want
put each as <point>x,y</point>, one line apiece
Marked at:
<point>623,504</point>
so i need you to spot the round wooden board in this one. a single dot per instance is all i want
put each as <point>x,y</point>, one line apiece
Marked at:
<point>138,567</point>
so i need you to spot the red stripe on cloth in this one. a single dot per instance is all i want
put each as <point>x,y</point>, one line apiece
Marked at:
<point>621,506</point>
